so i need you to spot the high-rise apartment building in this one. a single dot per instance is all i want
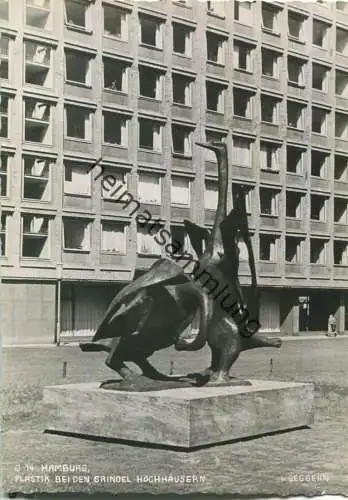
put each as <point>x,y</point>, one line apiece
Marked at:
<point>135,85</point>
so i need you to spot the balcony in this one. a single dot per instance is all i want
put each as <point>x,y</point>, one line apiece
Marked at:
<point>181,111</point>
<point>270,129</point>
<point>151,105</point>
<point>213,118</point>
<point>112,260</point>
<point>244,77</point>
<point>319,140</point>
<point>295,180</point>
<point>270,176</point>
<point>77,202</point>
<point>294,270</point>
<point>340,229</point>
<point>319,227</point>
<point>180,213</point>
<point>152,53</point>
<point>116,98</point>
<point>79,146</point>
<point>150,156</point>
<point>182,163</point>
<point>295,225</point>
<point>182,61</point>
<point>296,135</point>
<point>319,271</point>
<point>269,269</point>
<point>216,69</point>
<point>340,272</point>
<point>320,184</point>
<point>244,124</point>
<point>269,222</point>
<point>113,44</point>
<point>112,151</point>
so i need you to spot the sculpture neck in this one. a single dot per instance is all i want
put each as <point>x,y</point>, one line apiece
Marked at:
<point>215,244</point>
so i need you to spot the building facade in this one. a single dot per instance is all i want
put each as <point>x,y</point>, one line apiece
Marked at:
<point>135,85</point>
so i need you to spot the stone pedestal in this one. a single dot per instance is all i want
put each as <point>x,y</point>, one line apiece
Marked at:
<point>184,417</point>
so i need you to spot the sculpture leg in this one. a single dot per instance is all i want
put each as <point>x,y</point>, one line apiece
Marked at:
<point>114,362</point>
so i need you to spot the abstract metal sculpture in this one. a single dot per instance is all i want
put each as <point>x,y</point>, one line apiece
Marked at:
<point>152,312</point>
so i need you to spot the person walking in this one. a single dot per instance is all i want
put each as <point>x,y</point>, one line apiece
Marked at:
<point>331,326</point>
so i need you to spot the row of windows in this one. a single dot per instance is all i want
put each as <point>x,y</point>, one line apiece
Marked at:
<point>78,122</point>
<point>77,182</point>
<point>79,15</point>
<point>77,233</point>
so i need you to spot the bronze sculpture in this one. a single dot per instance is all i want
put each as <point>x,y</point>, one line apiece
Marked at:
<point>152,312</point>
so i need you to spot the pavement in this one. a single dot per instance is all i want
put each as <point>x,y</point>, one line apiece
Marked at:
<point>316,336</point>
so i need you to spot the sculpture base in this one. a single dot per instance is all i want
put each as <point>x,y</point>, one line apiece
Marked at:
<point>183,417</point>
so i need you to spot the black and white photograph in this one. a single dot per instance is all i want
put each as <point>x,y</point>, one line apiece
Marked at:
<point>174,248</point>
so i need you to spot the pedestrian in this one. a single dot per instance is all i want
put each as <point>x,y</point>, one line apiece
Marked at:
<point>331,326</point>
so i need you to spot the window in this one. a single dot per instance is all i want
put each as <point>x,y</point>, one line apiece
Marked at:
<point>115,22</point>
<point>115,129</point>
<point>295,72</point>
<point>269,201</point>
<point>341,83</point>
<point>343,6</point>
<point>179,239</point>
<point>3,231</point>
<point>341,125</point>
<point>293,249</point>
<point>320,33</point>
<point>150,82</point>
<point>182,140</point>
<point>295,26</point>
<point>212,136</point>
<point>269,109</point>
<point>319,163</point>
<point>340,253</point>
<point>149,188</point>
<point>319,77</point>
<point>318,207</point>
<point>294,203</point>
<point>294,160</point>
<point>269,156</point>
<point>115,75</point>
<point>182,39</point>
<point>38,14</point>
<point>268,247</point>
<point>341,41</point>
<point>215,48</point>
<point>215,97</point>
<point>77,179</point>
<point>248,191</point>
<point>38,127</point>
<point>119,178</point>
<point>35,236</point>
<point>182,86</point>
<point>216,7</point>
<point>77,235</point>
<point>243,12</point>
<point>146,242</point>
<point>76,14</point>
<point>4,14</point>
<point>4,105</point>
<point>180,191</point>
<point>319,120</point>
<point>241,151</point>
<point>150,135</point>
<point>4,52</point>
<point>270,16</point>
<point>36,185</point>
<point>211,195</point>
<point>242,101</point>
<point>151,31</point>
<point>270,63</point>
<point>341,170</point>
<point>78,67</point>
<point>296,113</point>
<point>38,64</point>
<point>318,251</point>
<point>113,237</point>
<point>242,56</point>
<point>78,123</point>
<point>4,174</point>
<point>340,210</point>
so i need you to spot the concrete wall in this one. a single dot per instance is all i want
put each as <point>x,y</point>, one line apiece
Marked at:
<point>27,314</point>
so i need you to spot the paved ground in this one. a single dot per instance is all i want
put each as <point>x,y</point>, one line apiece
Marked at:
<point>306,462</point>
